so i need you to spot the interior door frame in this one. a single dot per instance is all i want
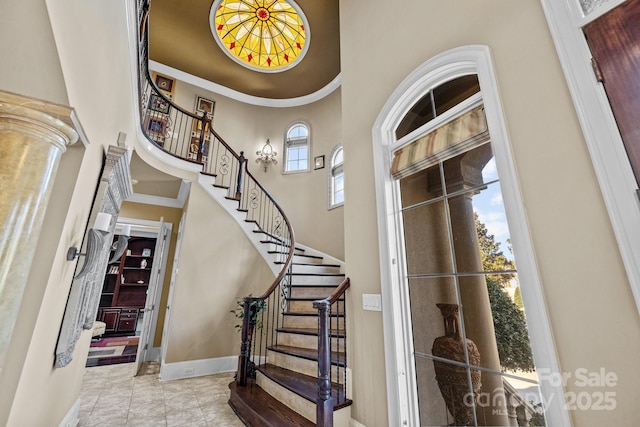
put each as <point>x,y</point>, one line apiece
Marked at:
<point>604,142</point>
<point>154,229</point>
<point>174,275</point>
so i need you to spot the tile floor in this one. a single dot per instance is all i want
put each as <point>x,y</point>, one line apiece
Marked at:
<point>112,396</point>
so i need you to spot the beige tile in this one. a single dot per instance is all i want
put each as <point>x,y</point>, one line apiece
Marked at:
<point>189,417</point>
<point>181,401</point>
<point>112,396</point>
<point>156,420</point>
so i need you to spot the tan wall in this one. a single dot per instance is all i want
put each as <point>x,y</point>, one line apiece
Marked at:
<point>302,196</point>
<point>217,265</point>
<point>99,89</point>
<point>595,322</point>
<point>30,64</point>
<point>168,215</point>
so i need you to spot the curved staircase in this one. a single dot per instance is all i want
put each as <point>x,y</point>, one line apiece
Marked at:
<point>292,368</point>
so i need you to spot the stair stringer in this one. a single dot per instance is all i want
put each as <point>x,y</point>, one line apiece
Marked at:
<point>230,206</point>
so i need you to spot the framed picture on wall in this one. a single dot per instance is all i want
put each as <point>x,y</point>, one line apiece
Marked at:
<point>318,162</point>
<point>164,83</point>
<point>155,125</point>
<point>204,105</point>
<point>156,103</point>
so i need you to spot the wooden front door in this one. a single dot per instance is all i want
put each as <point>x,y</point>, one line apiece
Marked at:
<point>614,40</point>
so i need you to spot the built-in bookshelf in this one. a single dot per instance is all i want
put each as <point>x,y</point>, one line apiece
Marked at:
<point>124,291</point>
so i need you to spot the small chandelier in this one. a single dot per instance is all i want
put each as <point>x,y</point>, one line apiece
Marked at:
<point>266,155</point>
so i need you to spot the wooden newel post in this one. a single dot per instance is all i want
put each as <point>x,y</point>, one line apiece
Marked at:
<point>324,401</point>
<point>245,346</point>
<point>241,162</point>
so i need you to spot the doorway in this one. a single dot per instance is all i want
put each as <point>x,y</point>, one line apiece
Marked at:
<point>127,314</point>
<point>614,41</point>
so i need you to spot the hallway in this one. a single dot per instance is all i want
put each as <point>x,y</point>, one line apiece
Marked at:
<point>112,396</point>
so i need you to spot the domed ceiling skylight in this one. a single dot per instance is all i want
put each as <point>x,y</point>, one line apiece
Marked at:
<point>262,35</point>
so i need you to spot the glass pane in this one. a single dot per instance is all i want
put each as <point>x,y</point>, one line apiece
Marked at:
<point>480,231</point>
<point>496,323</point>
<point>427,319</point>
<point>338,188</point>
<point>451,93</point>
<point>444,393</point>
<point>337,158</point>
<point>427,240</point>
<point>444,97</point>
<point>298,131</point>
<point>421,186</point>
<point>470,169</point>
<point>297,158</point>
<point>504,401</point>
<point>421,113</point>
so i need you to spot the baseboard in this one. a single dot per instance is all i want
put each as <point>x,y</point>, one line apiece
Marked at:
<point>73,416</point>
<point>354,423</point>
<point>153,354</point>
<point>198,368</point>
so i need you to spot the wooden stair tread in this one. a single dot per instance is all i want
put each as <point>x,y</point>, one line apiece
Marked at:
<point>222,186</point>
<point>209,174</point>
<point>337,358</point>
<point>304,386</point>
<point>319,274</point>
<point>310,264</point>
<point>311,331</point>
<point>281,243</point>
<point>256,408</point>
<point>298,255</point>
<point>315,285</point>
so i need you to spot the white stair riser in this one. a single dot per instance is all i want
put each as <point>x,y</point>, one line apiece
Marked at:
<point>316,280</point>
<point>299,404</point>
<point>304,366</point>
<point>315,269</point>
<point>310,292</point>
<point>341,417</point>
<point>310,322</point>
<point>273,246</point>
<point>302,306</point>
<point>307,341</point>
<point>307,259</point>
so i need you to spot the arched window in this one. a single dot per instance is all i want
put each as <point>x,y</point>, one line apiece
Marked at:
<point>296,148</point>
<point>336,178</point>
<point>440,179</point>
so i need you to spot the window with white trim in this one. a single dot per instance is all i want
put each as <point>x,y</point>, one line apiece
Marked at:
<point>296,148</point>
<point>427,182</point>
<point>336,178</point>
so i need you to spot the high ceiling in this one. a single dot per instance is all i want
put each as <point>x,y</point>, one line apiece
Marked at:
<point>180,37</point>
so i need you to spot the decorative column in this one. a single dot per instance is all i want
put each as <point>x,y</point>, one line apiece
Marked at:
<point>33,137</point>
<point>466,172</point>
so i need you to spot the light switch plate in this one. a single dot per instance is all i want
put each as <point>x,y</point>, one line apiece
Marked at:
<point>372,302</point>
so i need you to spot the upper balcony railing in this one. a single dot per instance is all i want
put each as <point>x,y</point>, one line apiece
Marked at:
<point>190,137</point>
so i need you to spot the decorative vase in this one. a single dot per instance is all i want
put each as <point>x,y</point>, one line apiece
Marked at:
<point>452,379</point>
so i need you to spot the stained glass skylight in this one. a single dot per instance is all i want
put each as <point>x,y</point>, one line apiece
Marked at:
<point>263,35</point>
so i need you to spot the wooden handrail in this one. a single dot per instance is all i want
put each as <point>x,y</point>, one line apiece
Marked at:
<point>337,292</point>
<point>175,138</point>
